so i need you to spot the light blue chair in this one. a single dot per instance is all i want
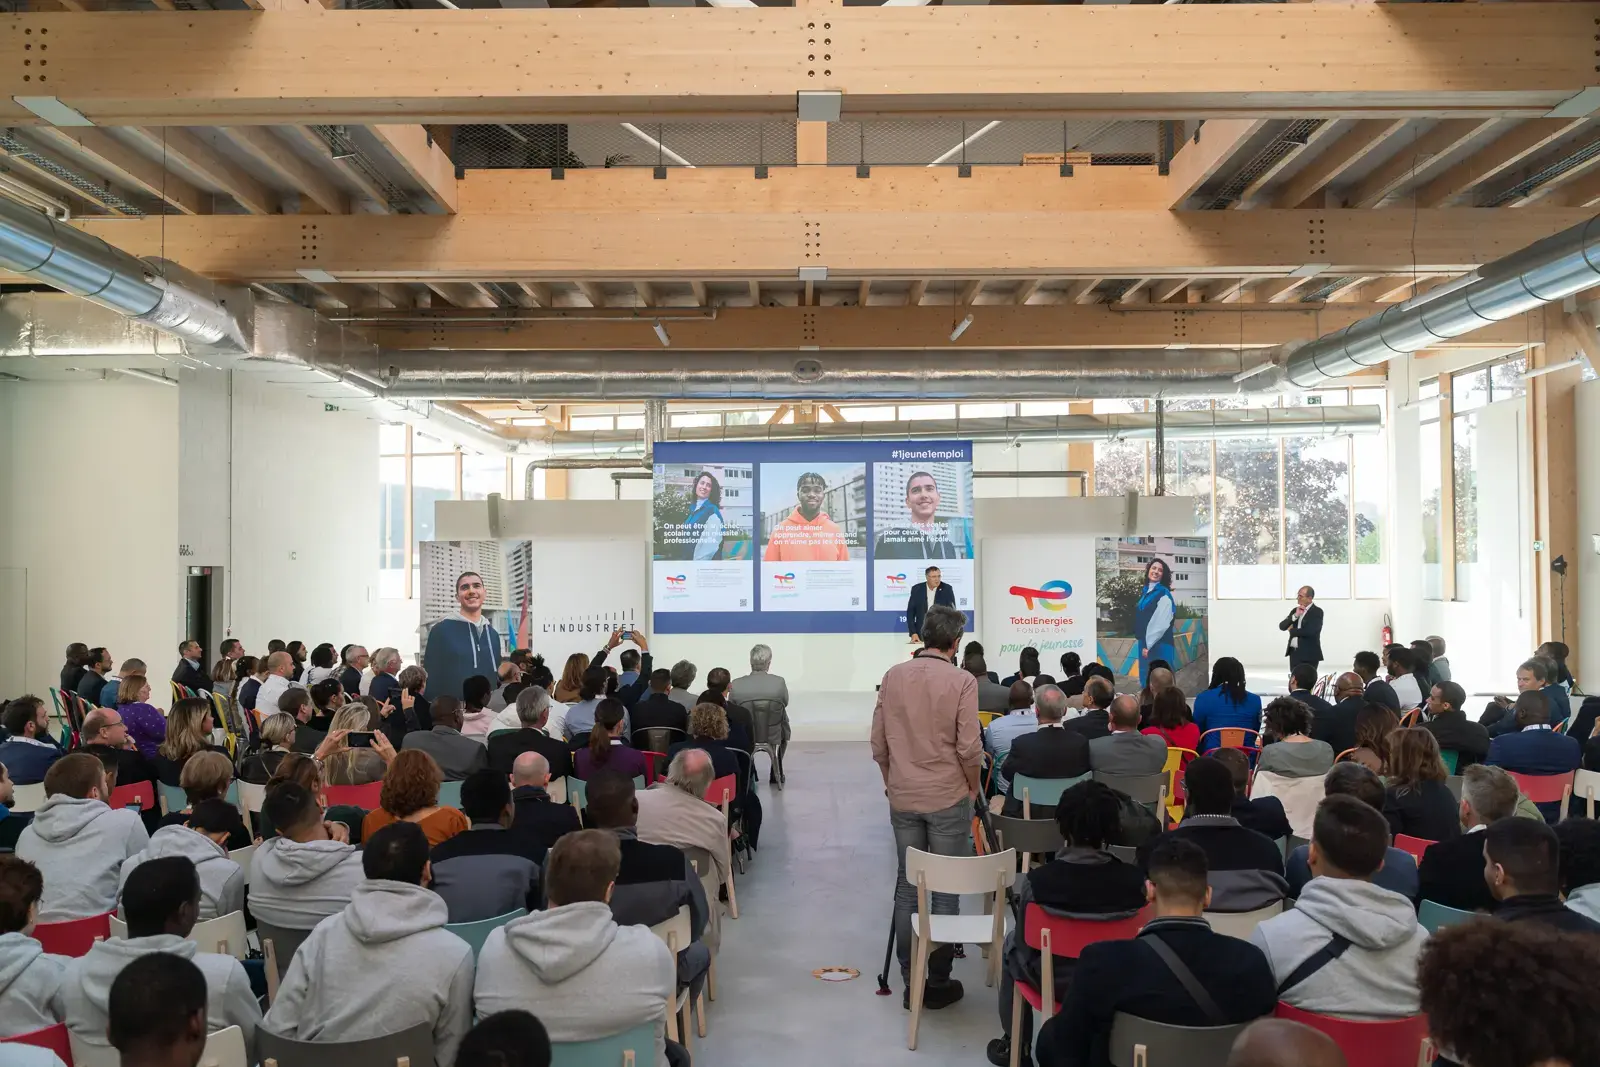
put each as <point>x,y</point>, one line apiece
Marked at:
<point>476,933</point>
<point>1045,792</point>
<point>578,791</point>
<point>172,798</point>
<point>636,1046</point>
<point>450,794</point>
<point>1435,917</point>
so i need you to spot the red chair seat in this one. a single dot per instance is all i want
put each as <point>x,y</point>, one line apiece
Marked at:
<point>1542,788</point>
<point>53,1038</point>
<point>141,795</point>
<point>726,786</point>
<point>1386,1043</point>
<point>365,797</point>
<point>1414,845</point>
<point>74,937</point>
<point>1034,997</point>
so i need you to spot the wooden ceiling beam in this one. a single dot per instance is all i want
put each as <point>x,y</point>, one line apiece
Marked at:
<point>1498,156</point>
<point>127,166</point>
<point>414,150</point>
<point>1025,290</point>
<point>1168,288</point>
<point>539,293</point>
<point>1206,154</point>
<point>277,159</point>
<point>464,294</point>
<point>701,298</point>
<point>1278,290</point>
<point>593,293</point>
<point>969,290</point>
<point>1398,287</point>
<point>1300,189</point>
<point>1269,174</point>
<point>1414,158</point>
<point>917,290</point>
<point>177,144</point>
<point>646,293</point>
<point>373,193</point>
<point>1081,291</point>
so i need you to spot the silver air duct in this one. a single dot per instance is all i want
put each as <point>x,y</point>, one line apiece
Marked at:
<point>831,376</point>
<point>35,245</point>
<point>1545,271</point>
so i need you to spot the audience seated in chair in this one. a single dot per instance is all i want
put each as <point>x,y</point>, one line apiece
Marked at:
<point>658,708</point>
<point>1522,864</point>
<point>29,976</point>
<point>1047,751</point>
<point>157,1012</point>
<point>105,735</point>
<point>161,903</point>
<point>301,769</point>
<point>537,814</point>
<point>1245,868</point>
<point>1348,947</point>
<point>411,794</point>
<point>1451,872</point>
<point>492,867</point>
<point>1226,704</point>
<point>654,881</point>
<point>77,842</point>
<point>455,754</point>
<point>762,684</point>
<point>675,813</point>
<point>1082,880</point>
<point>309,870</point>
<point>607,747</point>
<point>1580,865</point>
<point>1264,815</point>
<point>1534,748</point>
<point>505,1039</point>
<point>385,963</point>
<point>1096,718</point>
<point>1449,725</point>
<point>566,962</point>
<point>344,765</point>
<point>189,726</point>
<point>1134,977</point>
<point>533,716</point>
<point>1417,802</point>
<point>1283,1043</point>
<point>1288,749</point>
<point>595,686</point>
<point>1125,750</point>
<point>1399,871</point>
<point>1337,725</point>
<point>1511,993</point>
<point>277,741</point>
<point>1019,717</point>
<point>206,776</point>
<point>741,724</point>
<point>202,839</point>
<point>1533,676</point>
<point>992,696</point>
<point>29,750</point>
<point>709,727</point>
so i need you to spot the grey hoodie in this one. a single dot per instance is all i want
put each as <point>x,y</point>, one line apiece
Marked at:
<point>86,986</point>
<point>382,965</point>
<point>221,879</point>
<point>295,885</point>
<point>1376,978</point>
<point>79,846</point>
<point>579,972</point>
<point>1585,900</point>
<point>29,978</point>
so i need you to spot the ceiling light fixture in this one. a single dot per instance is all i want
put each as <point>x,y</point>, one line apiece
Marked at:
<point>661,334</point>
<point>1537,372</point>
<point>1253,371</point>
<point>961,328</point>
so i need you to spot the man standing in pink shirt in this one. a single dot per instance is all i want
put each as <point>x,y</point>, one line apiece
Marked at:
<point>928,744</point>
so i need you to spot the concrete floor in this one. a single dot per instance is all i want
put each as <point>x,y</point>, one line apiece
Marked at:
<point>819,894</point>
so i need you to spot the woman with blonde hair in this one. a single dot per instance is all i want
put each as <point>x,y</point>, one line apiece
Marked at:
<point>411,793</point>
<point>570,687</point>
<point>206,776</point>
<point>277,739</point>
<point>301,769</point>
<point>1417,800</point>
<point>146,725</point>
<point>189,727</point>
<point>346,765</point>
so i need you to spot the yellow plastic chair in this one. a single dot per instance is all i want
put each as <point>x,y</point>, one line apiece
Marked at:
<point>1174,762</point>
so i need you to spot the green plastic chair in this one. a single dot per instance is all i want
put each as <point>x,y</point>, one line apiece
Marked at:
<point>613,1051</point>
<point>174,799</point>
<point>1435,917</point>
<point>450,794</point>
<point>578,791</point>
<point>1045,792</point>
<point>1450,756</point>
<point>476,933</point>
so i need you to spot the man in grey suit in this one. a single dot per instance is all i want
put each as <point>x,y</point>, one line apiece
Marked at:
<point>1125,750</point>
<point>992,696</point>
<point>762,684</point>
<point>456,755</point>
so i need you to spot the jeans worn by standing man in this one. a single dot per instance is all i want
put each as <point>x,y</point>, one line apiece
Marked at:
<point>927,742</point>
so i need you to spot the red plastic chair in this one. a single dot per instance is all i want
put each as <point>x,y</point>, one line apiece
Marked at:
<point>1231,737</point>
<point>1054,936</point>
<point>141,795</point>
<point>53,1038</point>
<point>721,791</point>
<point>1414,845</point>
<point>654,764</point>
<point>74,937</point>
<point>364,797</point>
<point>1390,1043</point>
<point>1544,788</point>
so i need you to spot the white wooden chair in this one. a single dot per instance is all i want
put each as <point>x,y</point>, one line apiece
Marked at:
<point>931,874</point>
<point>676,933</point>
<point>1242,924</point>
<point>224,935</point>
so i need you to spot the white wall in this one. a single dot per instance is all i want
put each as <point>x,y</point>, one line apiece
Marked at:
<point>1585,595</point>
<point>88,524</point>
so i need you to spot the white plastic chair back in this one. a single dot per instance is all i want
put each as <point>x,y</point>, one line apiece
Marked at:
<point>676,933</point>
<point>225,1048</point>
<point>1300,797</point>
<point>961,874</point>
<point>28,797</point>
<point>1586,790</point>
<point>1242,924</point>
<point>251,797</point>
<point>243,857</point>
<point>224,934</point>
<point>557,790</point>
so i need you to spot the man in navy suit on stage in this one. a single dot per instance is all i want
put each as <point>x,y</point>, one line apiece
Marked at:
<point>933,589</point>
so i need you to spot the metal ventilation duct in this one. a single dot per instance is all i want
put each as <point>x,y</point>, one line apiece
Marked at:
<point>1545,271</point>
<point>35,245</point>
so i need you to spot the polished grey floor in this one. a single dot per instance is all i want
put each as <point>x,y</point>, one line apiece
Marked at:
<point>819,894</point>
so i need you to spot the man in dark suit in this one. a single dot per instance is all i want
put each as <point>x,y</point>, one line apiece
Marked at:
<point>1452,729</point>
<point>1451,872</point>
<point>1534,674</point>
<point>1302,676</point>
<point>1096,718</point>
<point>536,814</point>
<point>1535,748</point>
<point>1047,752</point>
<point>1337,725</point>
<point>1304,625</point>
<point>659,709</point>
<point>190,672</point>
<point>1137,977</point>
<point>1246,868</point>
<point>1264,815</point>
<point>921,594</point>
<point>1522,867</point>
<point>534,714</point>
<point>1366,666</point>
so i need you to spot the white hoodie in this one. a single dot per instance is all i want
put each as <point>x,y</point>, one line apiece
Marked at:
<point>86,986</point>
<point>29,979</point>
<point>79,846</point>
<point>584,976</point>
<point>382,965</point>
<point>295,885</point>
<point>221,879</point>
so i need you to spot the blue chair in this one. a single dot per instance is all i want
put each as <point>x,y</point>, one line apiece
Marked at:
<point>1435,917</point>
<point>1045,792</point>
<point>636,1047</point>
<point>172,798</point>
<point>450,794</point>
<point>476,933</point>
<point>578,791</point>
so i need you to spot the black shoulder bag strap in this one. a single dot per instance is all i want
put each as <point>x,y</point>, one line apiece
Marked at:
<point>1186,978</point>
<point>1314,963</point>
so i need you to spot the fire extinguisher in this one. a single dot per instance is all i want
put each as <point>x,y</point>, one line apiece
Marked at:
<point>1388,633</point>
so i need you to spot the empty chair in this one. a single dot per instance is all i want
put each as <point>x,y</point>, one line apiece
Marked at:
<point>577,794</point>
<point>1242,924</point>
<point>476,933</point>
<point>1435,917</point>
<point>1389,1043</point>
<point>1585,789</point>
<point>1030,837</point>
<point>631,1048</point>
<point>73,937</point>
<point>1139,1042</point>
<point>416,1044</point>
<point>955,874</point>
<point>1046,792</point>
<point>251,797</point>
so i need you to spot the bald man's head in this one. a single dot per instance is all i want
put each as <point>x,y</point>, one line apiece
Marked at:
<point>1125,712</point>
<point>530,768</point>
<point>281,664</point>
<point>1348,684</point>
<point>1281,1043</point>
<point>691,771</point>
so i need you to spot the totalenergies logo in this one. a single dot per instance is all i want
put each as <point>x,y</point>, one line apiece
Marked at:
<point>784,579</point>
<point>1052,596</point>
<point>676,580</point>
<point>895,579</point>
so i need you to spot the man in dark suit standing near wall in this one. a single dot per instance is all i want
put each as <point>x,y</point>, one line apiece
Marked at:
<point>1304,624</point>
<point>930,591</point>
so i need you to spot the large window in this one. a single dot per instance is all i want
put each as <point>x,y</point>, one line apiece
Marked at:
<point>1248,519</point>
<point>1430,484</point>
<point>1316,515</point>
<point>1471,391</point>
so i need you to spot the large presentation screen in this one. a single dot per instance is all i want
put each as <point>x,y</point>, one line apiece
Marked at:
<point>807,537</point>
